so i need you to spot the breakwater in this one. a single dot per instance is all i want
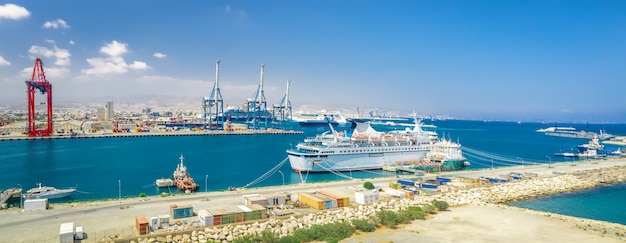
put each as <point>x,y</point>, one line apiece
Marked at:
<point>455,196</point>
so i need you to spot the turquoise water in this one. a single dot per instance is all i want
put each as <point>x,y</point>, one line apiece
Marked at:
<point>99,167</point>
<point>604,203</point>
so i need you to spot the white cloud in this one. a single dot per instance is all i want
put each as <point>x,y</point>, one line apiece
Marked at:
<point>62,56</point>
<point>12,11</point>
<point>55,24</point>
<point>52,73</point>
<point>114,63</point>
<point>71,43</point>
<point>159,55</point>
<point>114,48</point>
<point>4,62</point>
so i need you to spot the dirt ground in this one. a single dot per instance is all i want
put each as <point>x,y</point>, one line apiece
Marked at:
<point>485,223</point>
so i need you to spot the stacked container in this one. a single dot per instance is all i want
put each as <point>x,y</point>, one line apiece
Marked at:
<point>342,200</point>
<point>235,213</point>
<point>311,200</point>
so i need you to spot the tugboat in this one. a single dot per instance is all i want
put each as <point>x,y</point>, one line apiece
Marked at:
<point>182,179</point>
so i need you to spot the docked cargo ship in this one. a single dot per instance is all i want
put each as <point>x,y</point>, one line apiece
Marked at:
<point>182,179</point>
<point>364,149</point>
<point>48,192</point>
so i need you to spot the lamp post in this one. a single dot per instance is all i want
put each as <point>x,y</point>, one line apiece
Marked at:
<point>206,179</point>
<point>119,185</point>
<point>21,195</point>
<point>549,159</point>
<point>491,164</point>
<point>283,175</point>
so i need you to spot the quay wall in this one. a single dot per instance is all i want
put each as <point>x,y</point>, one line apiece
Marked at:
<point>154,134</point>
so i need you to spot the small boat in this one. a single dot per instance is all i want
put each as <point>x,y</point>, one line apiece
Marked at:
<point>164,182</point>
<point>49,192</point>
<point>182,179</point>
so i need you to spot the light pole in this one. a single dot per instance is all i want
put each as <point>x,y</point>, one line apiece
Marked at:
<point>491,164</point>
<point>549,159</point>
<point>283,175</point>
<point>21,195</point>
<point>206,179</point>
<point>119,185</point>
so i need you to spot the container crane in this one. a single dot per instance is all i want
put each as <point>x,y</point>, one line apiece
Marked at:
<point>38,82</point>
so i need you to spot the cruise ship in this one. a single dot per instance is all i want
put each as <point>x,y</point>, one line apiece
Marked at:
<point>570,132</point>
<point>364,149</point>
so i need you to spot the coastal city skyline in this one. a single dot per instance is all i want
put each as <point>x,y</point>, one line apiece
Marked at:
<point>513,60</point>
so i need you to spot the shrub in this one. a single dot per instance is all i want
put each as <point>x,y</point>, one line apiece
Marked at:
<point>441,205</point>
<point>429,208</point>
<point>142,194</point>
<point>333,231</point>
<point>289,239</point>
<point>388,218</point>
<point>416,212</point>
<point>368,185</point>
<point>364,225</point>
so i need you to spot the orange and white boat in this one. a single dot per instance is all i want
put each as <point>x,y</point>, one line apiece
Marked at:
<point>182,179</point>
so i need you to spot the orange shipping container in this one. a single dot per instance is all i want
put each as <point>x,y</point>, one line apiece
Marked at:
<point>141,222</point>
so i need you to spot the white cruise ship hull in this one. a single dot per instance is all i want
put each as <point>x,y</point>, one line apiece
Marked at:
<point>302,162</point>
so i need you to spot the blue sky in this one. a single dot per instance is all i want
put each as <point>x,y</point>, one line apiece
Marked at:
<point>513,60</point>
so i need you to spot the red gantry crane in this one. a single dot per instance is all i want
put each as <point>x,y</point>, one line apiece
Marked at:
<point>38,82</point>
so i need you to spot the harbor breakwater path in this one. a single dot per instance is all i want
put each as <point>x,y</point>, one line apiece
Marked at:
<point>113,215</point>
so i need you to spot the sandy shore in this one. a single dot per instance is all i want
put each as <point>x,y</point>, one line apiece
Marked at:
<point>484,223</point>
<point>475,217</point>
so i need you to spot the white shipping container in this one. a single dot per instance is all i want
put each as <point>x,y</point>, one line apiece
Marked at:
<point>205,217</point>
<point>154,223</point>
<point>164,221</point>
<point>395,193</point>
<point>66,233</point>
<point>244,198</point>
<point>35,204</point>
<point>366,197</point>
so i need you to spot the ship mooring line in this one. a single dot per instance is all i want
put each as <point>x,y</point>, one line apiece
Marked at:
<point>268,173</point>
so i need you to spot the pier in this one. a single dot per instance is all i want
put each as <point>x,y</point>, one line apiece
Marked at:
<point>8,194</point>
<point>155,134</point>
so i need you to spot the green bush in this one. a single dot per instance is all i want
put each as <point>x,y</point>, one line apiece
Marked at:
<point>368,185</point>
<point>289,239</point>
<point>388,218</point>
<point>265,236</point>
<point>416,212</point>
<point>142,194</point>
<point>325,232</point>
<point>364,225</point>
<point>429,208</point>
<point>441,205</point>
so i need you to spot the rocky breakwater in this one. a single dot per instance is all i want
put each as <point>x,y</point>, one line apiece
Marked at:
<point>498,193</point>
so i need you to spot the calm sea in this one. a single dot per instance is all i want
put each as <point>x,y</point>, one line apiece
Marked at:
<point>104,168</point>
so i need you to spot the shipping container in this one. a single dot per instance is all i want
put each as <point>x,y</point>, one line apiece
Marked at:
<point>258,208</point>
<point>35,204</point>
<point>249,214</point>
<point>181,211</point>
<point>217,215</point>
<point>164,221</point>
<point>408,193</point>
<point>395,193</point>
<point>442,180</point>
<point>276,199</point>
<point>311,200</point>
<point>342,200</point>
<point>260,200</point>
<point>236,214</point>
<point>206,219</point>
<point>366,197</point>
<point>429,185</point>
<point>244,198</point>
<point>66,233</point>
<point>141,223</point>
<point>154,223</point>
<point>406,182</point>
